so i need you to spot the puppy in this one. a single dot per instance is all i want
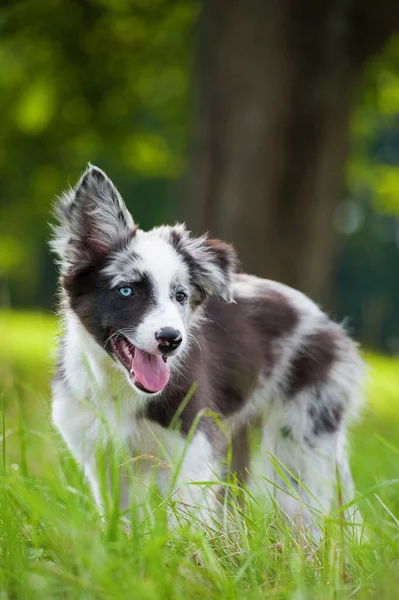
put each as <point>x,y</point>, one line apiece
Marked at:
<point>147,315</point>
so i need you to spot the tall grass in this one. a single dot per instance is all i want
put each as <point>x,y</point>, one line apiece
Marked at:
<point>53,543</point>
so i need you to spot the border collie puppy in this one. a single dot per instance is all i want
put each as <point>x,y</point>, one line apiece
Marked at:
<point>147,314</point>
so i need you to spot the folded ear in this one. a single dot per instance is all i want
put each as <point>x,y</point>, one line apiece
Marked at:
<point>211,262</point>
<point>92,220</point>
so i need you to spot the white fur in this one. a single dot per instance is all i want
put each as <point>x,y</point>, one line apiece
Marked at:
<point>162,263</point>
<point>91,421</point>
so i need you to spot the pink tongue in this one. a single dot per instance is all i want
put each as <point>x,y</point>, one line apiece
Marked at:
<point>150,370</point>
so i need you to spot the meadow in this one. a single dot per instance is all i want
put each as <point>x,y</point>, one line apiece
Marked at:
<point>53,543</point>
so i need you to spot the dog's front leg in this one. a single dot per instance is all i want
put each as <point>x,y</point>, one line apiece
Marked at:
<point>194,484</point>
<point>80,429</point>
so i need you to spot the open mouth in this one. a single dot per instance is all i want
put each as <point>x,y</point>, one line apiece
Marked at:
<point>148,372</point>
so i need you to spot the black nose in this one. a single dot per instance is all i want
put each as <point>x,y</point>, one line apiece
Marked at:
<point>169,339</point>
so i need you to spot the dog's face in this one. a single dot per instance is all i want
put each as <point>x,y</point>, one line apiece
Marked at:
<point>135,292</point>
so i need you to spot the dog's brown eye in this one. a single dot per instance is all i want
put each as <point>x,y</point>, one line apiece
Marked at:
<point>180,297</point>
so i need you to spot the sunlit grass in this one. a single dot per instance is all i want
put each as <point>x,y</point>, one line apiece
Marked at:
<point>26,335</point>
<point>383,385</point>
<point>54,545</point>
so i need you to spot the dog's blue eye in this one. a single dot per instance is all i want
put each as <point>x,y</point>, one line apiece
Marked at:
<point>180,296</point>
<point>125,291</point>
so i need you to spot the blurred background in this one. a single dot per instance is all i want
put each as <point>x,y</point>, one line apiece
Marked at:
<point>275,125</point>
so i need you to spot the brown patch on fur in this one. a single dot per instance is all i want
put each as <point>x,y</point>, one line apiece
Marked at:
<point>224,255</point>
<point>265,321</point>
<point>313,361</point>
<point>240,458</point>
<point>236,344</point>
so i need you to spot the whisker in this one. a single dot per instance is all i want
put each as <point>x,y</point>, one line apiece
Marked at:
<point>114,334</point>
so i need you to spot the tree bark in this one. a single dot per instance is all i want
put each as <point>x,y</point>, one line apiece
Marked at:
<point>275,87</point>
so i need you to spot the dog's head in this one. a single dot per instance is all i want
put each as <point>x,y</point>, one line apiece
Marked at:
<point>135,292</point>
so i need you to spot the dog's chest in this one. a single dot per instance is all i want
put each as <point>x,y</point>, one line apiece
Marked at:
<point>150,457</point>
<point>143,439</point>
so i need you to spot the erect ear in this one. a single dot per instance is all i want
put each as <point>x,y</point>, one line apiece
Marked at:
<point>211,262</point>
<point>93,220</point>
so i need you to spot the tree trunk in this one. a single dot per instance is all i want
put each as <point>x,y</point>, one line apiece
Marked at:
<point>276,80</point>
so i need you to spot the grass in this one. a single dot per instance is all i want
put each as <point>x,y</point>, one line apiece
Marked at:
<point>54,545</point>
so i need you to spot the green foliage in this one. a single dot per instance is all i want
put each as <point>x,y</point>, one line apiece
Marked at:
<point>87,80</point>
<point>111,82</point>
<point>54,545</point>
<point>374,159</point>
<point>367,265</point>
